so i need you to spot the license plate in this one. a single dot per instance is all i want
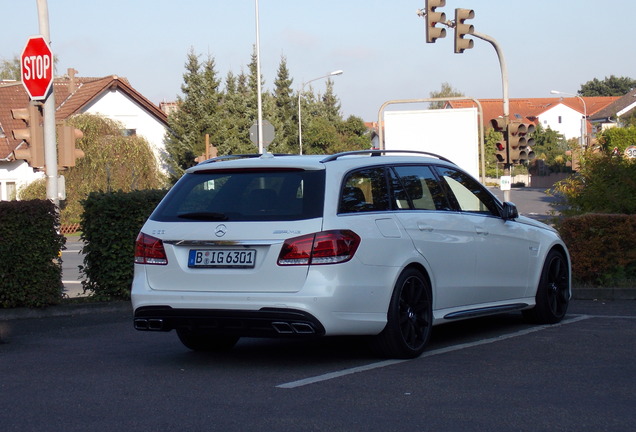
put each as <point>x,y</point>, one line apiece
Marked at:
<point>222,258</point>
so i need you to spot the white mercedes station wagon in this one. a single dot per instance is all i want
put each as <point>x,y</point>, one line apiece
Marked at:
<point>385,244</point>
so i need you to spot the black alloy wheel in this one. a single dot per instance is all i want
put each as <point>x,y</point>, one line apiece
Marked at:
<point>409,318</point>
<point>553,292</point>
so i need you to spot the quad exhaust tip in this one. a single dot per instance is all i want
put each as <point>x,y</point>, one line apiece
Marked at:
<point>152,324</point>
<point>293,328</point>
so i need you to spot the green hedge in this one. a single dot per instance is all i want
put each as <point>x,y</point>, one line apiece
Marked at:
<point>110,224</point>
<point>30,244</point>
<point>602,247</point>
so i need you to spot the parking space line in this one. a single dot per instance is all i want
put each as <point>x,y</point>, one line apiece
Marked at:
<point>385,363</point>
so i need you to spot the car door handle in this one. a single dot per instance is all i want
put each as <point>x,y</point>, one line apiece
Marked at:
<point>481,231</point>
<point>424,227</point>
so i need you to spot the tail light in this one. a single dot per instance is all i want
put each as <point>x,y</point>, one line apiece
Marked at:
<point>326,247</point>
<point>149,250</point>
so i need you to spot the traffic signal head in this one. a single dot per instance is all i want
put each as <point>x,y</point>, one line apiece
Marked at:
<point>519,142</point>
<point>501,148</point>
<point>462,29</point>
<point>33,136</point>
<point>432,18</point>
<point>499,124</point>
<point>67,153</point>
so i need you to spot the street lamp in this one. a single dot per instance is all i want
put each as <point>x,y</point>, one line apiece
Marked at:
<point>583,121</point>
<point>300,92</point>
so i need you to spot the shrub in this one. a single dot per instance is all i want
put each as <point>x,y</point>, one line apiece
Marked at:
<point>602,247</point>
<point>604,184</point>
<point>30,268</point>
<point>110,224</point>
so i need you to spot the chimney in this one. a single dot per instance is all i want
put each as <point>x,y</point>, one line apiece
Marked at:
<point>72,85</point>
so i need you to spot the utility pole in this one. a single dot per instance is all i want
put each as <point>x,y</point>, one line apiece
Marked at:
<point>50,149</point>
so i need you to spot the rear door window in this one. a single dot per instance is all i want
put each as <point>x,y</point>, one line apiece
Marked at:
<point>420,189</point>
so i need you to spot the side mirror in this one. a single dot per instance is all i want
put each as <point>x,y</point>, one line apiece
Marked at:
<point>510,211</point>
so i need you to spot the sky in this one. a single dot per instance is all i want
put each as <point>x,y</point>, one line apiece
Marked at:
<point>379,44</point>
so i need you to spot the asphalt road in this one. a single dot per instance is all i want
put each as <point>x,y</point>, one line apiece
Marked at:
<point>94,372</point>
<point>71,260</point>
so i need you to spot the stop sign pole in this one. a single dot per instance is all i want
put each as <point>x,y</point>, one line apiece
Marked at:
<point>36,64</point>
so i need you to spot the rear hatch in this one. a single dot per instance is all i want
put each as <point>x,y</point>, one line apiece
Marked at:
<point>222,229</point>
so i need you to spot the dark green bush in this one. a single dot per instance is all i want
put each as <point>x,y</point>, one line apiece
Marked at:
<point>602,247</point>
<point>110,224</point>
<point>30,266</point>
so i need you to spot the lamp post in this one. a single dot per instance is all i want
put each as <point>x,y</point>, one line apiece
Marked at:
<point>583,121</point>
<point>300,92</point>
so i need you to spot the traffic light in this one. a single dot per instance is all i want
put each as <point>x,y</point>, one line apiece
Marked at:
<point>499,124</point>
<point>520,143</point>
<point>32,135</point>
<point>462,29</point>
<point>67,153</point>
<point>432,18</point>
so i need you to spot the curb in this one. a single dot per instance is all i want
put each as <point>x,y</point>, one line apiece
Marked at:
<point>608,293</point>
<point>65,310</point>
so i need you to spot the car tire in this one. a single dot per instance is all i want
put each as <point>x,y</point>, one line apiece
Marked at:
<point>409,318</point>
<point>553,292</point>
<point>206,342</point>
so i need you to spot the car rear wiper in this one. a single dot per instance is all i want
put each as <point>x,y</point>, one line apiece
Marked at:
<point>206,216</point>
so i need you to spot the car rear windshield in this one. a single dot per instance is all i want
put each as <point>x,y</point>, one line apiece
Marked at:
<point>244,195</point>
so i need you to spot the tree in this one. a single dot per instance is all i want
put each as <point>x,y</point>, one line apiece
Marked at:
<point>234,135</point>
<point>331,104</point>
<point>446,91</point>
<point>10,69</point>
<point>197,115</point>
<point>612,86</point>
<point>285,115</point>
<point>550,147</point>
<point>617,138</point>
<point>111,162</point>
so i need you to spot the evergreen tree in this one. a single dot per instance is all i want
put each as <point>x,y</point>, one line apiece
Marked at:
<point>285,116</point>
<point>331,104</point>
<point>195,116</point>
<point>235,121</point>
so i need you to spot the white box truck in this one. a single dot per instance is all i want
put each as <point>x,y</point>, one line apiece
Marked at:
<point>452,133</point>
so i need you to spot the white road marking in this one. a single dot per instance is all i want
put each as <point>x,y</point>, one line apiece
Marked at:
<point>385,363</point>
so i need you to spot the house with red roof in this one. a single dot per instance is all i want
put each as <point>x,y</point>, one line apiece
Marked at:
<point>564,115</point>
<point>111,96</point>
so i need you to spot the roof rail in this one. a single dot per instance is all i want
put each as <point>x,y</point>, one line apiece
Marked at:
<point>378,152</point>
<point>240,156</point>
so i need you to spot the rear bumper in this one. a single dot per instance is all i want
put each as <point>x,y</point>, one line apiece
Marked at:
<point>266,322</point>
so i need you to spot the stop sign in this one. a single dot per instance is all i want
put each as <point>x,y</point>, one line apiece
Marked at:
<point>36,66</point>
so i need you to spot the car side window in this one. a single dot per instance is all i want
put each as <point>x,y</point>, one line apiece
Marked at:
<point>421,189</point>
<point>364,190</point>
<point>468,193</point>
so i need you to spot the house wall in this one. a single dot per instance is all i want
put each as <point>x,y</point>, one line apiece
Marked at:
<point>562,119</point>
<point>117,106</point>
<point>15,175</point>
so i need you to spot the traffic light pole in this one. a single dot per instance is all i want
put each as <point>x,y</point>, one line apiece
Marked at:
<point>50,150</point>
<point>506,98</point>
